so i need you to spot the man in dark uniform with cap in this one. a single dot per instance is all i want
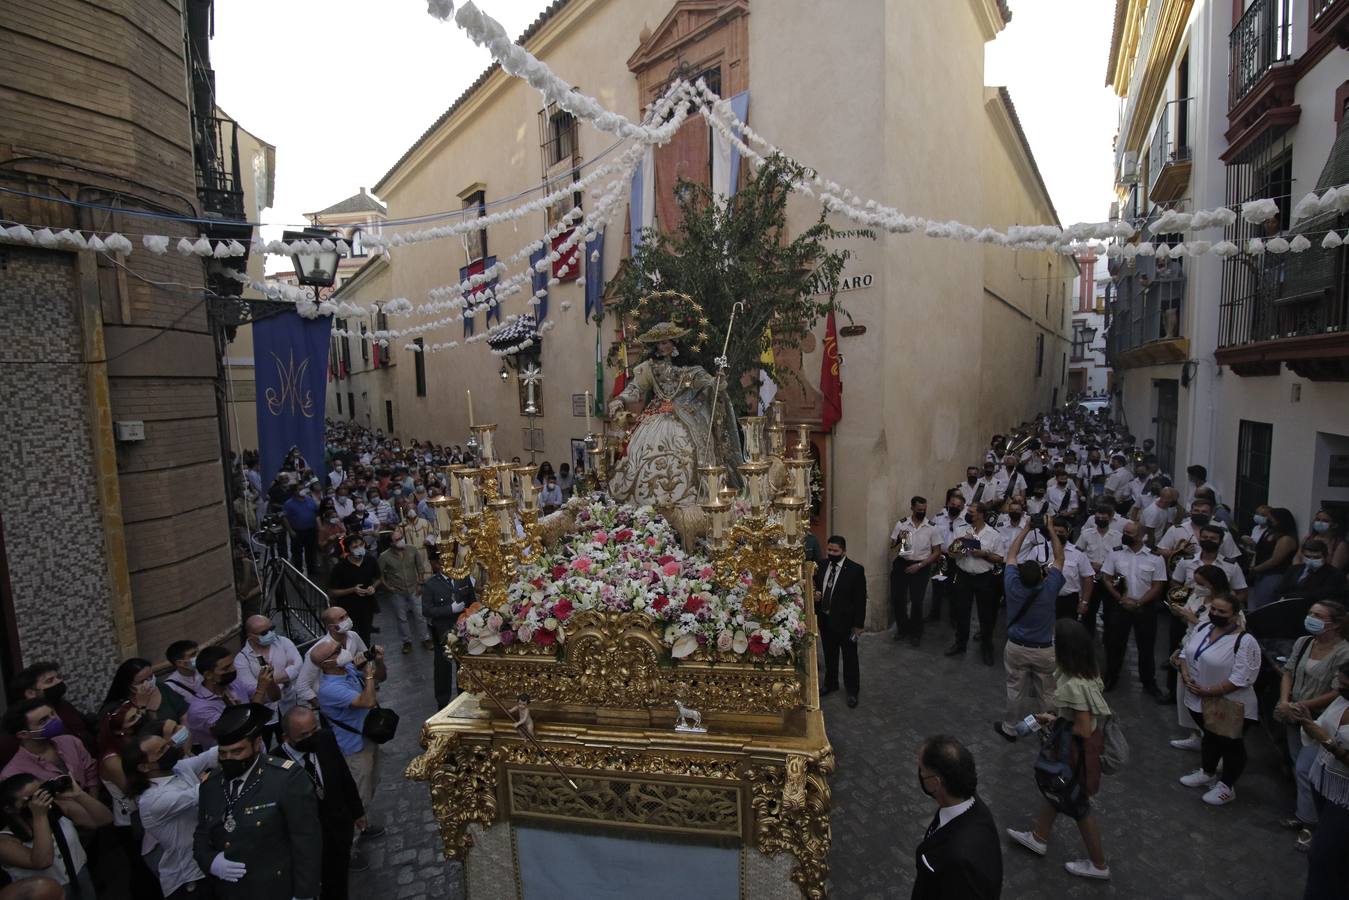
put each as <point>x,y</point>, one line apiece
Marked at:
<point>258,832</point>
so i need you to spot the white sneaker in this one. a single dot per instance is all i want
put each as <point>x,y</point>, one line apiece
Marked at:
<point>1190,743</point>
<point>1028,840</point>
<point>1198,778</point>
<point>1085,868</point>
<point>1220,795</point>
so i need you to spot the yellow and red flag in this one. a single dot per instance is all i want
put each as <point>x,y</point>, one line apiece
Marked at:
<point>831,378</point>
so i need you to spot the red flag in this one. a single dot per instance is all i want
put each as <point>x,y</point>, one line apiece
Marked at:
<point>831,379</point>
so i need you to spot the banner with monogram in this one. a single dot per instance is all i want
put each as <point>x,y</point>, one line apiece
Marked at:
<point>290,357</point>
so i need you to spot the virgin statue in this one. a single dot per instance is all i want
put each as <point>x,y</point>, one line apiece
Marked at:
<point>675,429</point>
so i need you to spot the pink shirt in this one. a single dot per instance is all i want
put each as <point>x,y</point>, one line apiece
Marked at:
<point>75,761</point>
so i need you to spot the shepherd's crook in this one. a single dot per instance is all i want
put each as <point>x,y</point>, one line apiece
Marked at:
<point>722,363</point>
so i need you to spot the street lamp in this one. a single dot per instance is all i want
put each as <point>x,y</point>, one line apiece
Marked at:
<point>318,270</point>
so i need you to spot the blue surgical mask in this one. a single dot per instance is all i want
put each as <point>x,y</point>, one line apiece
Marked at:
<point>267,639</point>
<point>1320,527</point>
<point>1313,564</point>
<point>1313,625</point>
<point>180,736</point>
<point>1259,519</point>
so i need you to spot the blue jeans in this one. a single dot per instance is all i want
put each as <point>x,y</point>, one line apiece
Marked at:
<point>411,625</point>
<point>1302,766</point>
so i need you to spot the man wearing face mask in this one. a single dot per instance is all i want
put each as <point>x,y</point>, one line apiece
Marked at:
<point>182,679</point>
<point>949,524</point>
<point>960,856</point>
<point>356,580</point>
<point>969,488</point>
<point>220,689</point>
<point>266,648</point>
<point>402,570</point>
<point>443,599</point>
<point>1008,481</point>
<point>1312,579</point>
<point>1186,534</point>
<point>346,694</point>
<point>340,631</point>
<point>841,591</point>
<point>1144,575</point>
<point>975,583</point>
<point>1101,534</point>
<point>165,786</point>
<point>45,751</point>
<point>919,547</point>
<point>315,750</point>
<point>1062,497</point>
<point>44,680</point>
<point>257,832</point>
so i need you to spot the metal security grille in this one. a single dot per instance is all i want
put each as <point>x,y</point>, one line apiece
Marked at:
<point>1265,170</point>
<point>1255,443</point>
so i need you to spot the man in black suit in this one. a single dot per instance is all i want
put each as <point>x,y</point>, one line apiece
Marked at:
<point>316,751</point>
<point>841,606</point>
<point>1313,579</point>
<point>960,857</point>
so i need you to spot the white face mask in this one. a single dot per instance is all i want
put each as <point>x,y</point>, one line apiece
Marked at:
<point>400,543</point>
<point>344,657</point>
<point>344,626</point>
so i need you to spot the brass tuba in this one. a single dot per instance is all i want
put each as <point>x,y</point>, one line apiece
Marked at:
<point>1019,443</point>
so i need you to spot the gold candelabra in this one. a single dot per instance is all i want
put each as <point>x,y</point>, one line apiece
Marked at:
<point>755,544</point>
<point>487,521</point>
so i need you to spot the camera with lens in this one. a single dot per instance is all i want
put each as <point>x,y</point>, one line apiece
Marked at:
<point>272,529</point>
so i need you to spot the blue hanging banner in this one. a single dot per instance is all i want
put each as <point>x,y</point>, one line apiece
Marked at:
<point>538,281</point>
<point>290,356</point>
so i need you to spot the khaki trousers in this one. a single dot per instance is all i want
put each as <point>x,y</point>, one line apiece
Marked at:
<point>1027,667</point>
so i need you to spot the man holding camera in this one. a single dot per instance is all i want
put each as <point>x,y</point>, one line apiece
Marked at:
<point>45,750</point>
<point>1032,598</point>
<point>346,694</point>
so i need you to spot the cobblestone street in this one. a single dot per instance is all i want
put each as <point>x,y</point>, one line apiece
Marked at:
<point>1162,841</point>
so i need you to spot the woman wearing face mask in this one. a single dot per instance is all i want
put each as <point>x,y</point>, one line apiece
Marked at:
<point>164,784</point>
<point>134,682</point>
<point>1218,666</point>
<point>1204,582</point>
<point>1326,527</point>
<point>38,834</point>
<point>1328,860</point>
<point>355,582</point>
<point>122,727</point>
<point>1306,689</point>
<point>1273,555</point>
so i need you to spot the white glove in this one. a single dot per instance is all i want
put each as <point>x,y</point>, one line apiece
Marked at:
<point>457,607</point>
<point>227,869</point>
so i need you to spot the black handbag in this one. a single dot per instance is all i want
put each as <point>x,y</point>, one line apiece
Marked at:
<point>381,724</point>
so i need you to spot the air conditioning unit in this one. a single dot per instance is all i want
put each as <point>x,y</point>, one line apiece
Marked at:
<point>1128,168</point>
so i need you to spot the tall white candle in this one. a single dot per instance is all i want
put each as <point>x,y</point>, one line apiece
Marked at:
<point>587,412</point>
<point>470,408</point>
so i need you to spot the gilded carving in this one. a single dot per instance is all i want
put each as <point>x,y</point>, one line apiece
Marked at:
<point>669,806</point>
<point>463,780</point>
<point>800,827</point>
<point>615,661</point>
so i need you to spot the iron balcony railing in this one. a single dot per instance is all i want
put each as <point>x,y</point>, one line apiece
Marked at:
<point>1261,40</point>
<point>1289,296</point>
<point>1146,306</point>
<point>1321,7</point>
<point>1171,140</point>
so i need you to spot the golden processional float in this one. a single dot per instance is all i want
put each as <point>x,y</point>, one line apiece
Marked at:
<point>638,717</point>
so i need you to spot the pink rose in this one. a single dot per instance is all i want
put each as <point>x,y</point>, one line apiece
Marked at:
<point>706,573</point>
<point>671,568</point>
<point>581,564</point>
<point>724,640</point>
<point>600,537</point>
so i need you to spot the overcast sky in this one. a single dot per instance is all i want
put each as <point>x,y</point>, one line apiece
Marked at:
<point>343,87</point>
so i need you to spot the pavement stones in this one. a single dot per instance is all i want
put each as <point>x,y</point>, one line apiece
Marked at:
<point>1161,840</point>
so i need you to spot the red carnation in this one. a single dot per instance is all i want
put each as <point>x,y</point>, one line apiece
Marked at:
<point>545,638</point>
<point>693,604</point>
<point>757,645</point>
<point>660,603</point>
<point>664,559</point>
<point>559,572</point>
<point>562,608</point>
<point>624,535</point>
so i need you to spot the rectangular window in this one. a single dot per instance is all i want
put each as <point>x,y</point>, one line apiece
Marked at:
<point>365,346</point>
<point>346,348</point>
<point>382,324</point>
<point>1039,354</point>
<point>420,366</point>
<point>339,402</point>
<point>1079,341</point>
<point>351,404</point>
<point>476,204</point>
<point>388,416</point>
<point>1255,441</point>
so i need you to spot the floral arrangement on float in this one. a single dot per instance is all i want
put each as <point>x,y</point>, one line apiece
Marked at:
<point>623,559</point>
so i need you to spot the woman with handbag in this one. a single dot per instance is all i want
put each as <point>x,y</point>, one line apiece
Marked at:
<point>1078,726</point>
<point>1218,667</point>
<point>1308,683</point>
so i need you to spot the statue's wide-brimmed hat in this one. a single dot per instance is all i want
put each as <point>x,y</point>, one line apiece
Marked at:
<point>662,331</point>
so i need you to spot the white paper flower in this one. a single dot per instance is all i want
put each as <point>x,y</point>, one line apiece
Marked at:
<point>1307,208</point>
<point>1224,249</point>
<point>1331,241</point>
<point>1256,247</point>
<point>45,238</point>
<point>1276,245</point>
<point>1299,243</point>
<point>96,244</point>
<point>1257,211</point>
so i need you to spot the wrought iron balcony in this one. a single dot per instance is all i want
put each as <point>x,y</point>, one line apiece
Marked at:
<point>1145,313</point>
<point>1170,156</point>
<point>1291,309</point>
<point>1329,18</point>
<point>1261,40</point>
